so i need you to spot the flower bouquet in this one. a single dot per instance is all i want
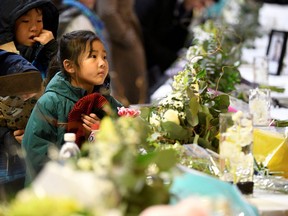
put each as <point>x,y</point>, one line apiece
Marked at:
<point>112,177</point>
<point>190,113</point>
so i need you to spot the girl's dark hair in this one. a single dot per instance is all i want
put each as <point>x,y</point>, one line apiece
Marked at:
<point>74,43</point>
<point>71,46</point>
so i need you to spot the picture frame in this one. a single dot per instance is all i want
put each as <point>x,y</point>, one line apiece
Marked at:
<point>276,51</point>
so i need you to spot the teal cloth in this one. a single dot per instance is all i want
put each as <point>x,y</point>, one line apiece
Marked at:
<point>194,183</point>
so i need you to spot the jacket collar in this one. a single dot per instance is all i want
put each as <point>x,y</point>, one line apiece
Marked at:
<point>9,47</point>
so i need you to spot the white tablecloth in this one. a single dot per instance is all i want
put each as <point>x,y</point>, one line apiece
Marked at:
<point>269,203</point>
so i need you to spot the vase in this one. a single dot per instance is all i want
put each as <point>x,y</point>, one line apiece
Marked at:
<point>236,157</point>
<point>259,105</point>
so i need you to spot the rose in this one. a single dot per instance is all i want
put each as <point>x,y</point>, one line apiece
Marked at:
<point>171,115</point>
<point>122,111</point>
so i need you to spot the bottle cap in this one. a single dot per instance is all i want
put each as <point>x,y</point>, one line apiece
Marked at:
<point>95,126</point>
<point>69,137</point>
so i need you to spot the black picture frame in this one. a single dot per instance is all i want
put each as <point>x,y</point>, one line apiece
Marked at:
<point>276,51</point>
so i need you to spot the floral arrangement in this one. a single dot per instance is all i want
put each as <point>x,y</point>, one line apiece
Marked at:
<point>236,147</point>
<point>126,178</point>
<point>190,113</point>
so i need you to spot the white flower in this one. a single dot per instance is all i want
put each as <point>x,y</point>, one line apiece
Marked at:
<point>154,120</point>
<point>193,54</point>
<point>236,117</point>
<point>194,59</point>
<point>229,149</point>
<point>171,115</point>
<point>200,34</point>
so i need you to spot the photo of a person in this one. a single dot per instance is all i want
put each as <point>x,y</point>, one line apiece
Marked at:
<point>277,44</point>
<point>276,51</point>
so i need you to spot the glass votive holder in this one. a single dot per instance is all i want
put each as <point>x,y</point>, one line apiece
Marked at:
<point>235,150</point>
<point>259,106</point>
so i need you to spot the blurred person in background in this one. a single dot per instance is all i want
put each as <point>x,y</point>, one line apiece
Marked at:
<point>165,25</point>
<point>128,74</point>
<point>79,15</point>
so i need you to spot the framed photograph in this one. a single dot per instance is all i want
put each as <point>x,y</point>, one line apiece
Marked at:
<point>276,51</point>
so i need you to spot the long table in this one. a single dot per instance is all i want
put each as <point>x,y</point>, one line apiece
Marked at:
<point>269,203</point>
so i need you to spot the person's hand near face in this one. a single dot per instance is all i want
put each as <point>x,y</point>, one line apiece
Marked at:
<point>29,29</point>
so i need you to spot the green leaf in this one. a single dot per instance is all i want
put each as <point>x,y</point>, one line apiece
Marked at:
<point>166,159</point>
<point>221,102</point>
<point>192,112</point>
<point>145,112</point>
<point>174,131</point>
<point>159,158</point>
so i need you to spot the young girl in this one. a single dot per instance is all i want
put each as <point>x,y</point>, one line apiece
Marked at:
<point>84,70</point>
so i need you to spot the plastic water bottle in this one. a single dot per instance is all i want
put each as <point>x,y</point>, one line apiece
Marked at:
<point>70,148</point>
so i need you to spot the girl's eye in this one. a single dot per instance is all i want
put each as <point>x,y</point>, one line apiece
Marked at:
<point>39,21</point>
<point>25,21</point>
<point>93,56</point>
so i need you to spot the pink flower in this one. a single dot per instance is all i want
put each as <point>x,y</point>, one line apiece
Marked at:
<point>122,111</point>
<point>231,109</point>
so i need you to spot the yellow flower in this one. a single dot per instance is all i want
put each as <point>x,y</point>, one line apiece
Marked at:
<point>171,115</point>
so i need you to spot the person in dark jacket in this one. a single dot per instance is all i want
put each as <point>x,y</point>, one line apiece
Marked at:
<point>165,28</point>
<point>14,69</point>
<point>84,68</point>
<point>29,27</point>
<point>12,63</point>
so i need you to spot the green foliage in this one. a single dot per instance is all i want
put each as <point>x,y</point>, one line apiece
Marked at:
<point>46,206</point>
<point>221,55</point>
<point>148,187</point>
<point>196,107</point>
<point>246,27</point>
<point>137,178</point>
<point>200,91</point>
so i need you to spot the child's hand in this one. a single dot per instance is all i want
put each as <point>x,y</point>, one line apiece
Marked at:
<point>89,120</point>
<point>44,37</point>
<point>18,134</point>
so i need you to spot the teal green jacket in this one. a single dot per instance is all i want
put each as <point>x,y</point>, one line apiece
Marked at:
<point>47,123</point>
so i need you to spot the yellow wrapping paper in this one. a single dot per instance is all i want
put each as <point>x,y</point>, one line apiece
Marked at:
<point>271,149</point>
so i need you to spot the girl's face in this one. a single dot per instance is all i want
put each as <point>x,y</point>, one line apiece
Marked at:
<point>93,67</point>
<point>28,26</point>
